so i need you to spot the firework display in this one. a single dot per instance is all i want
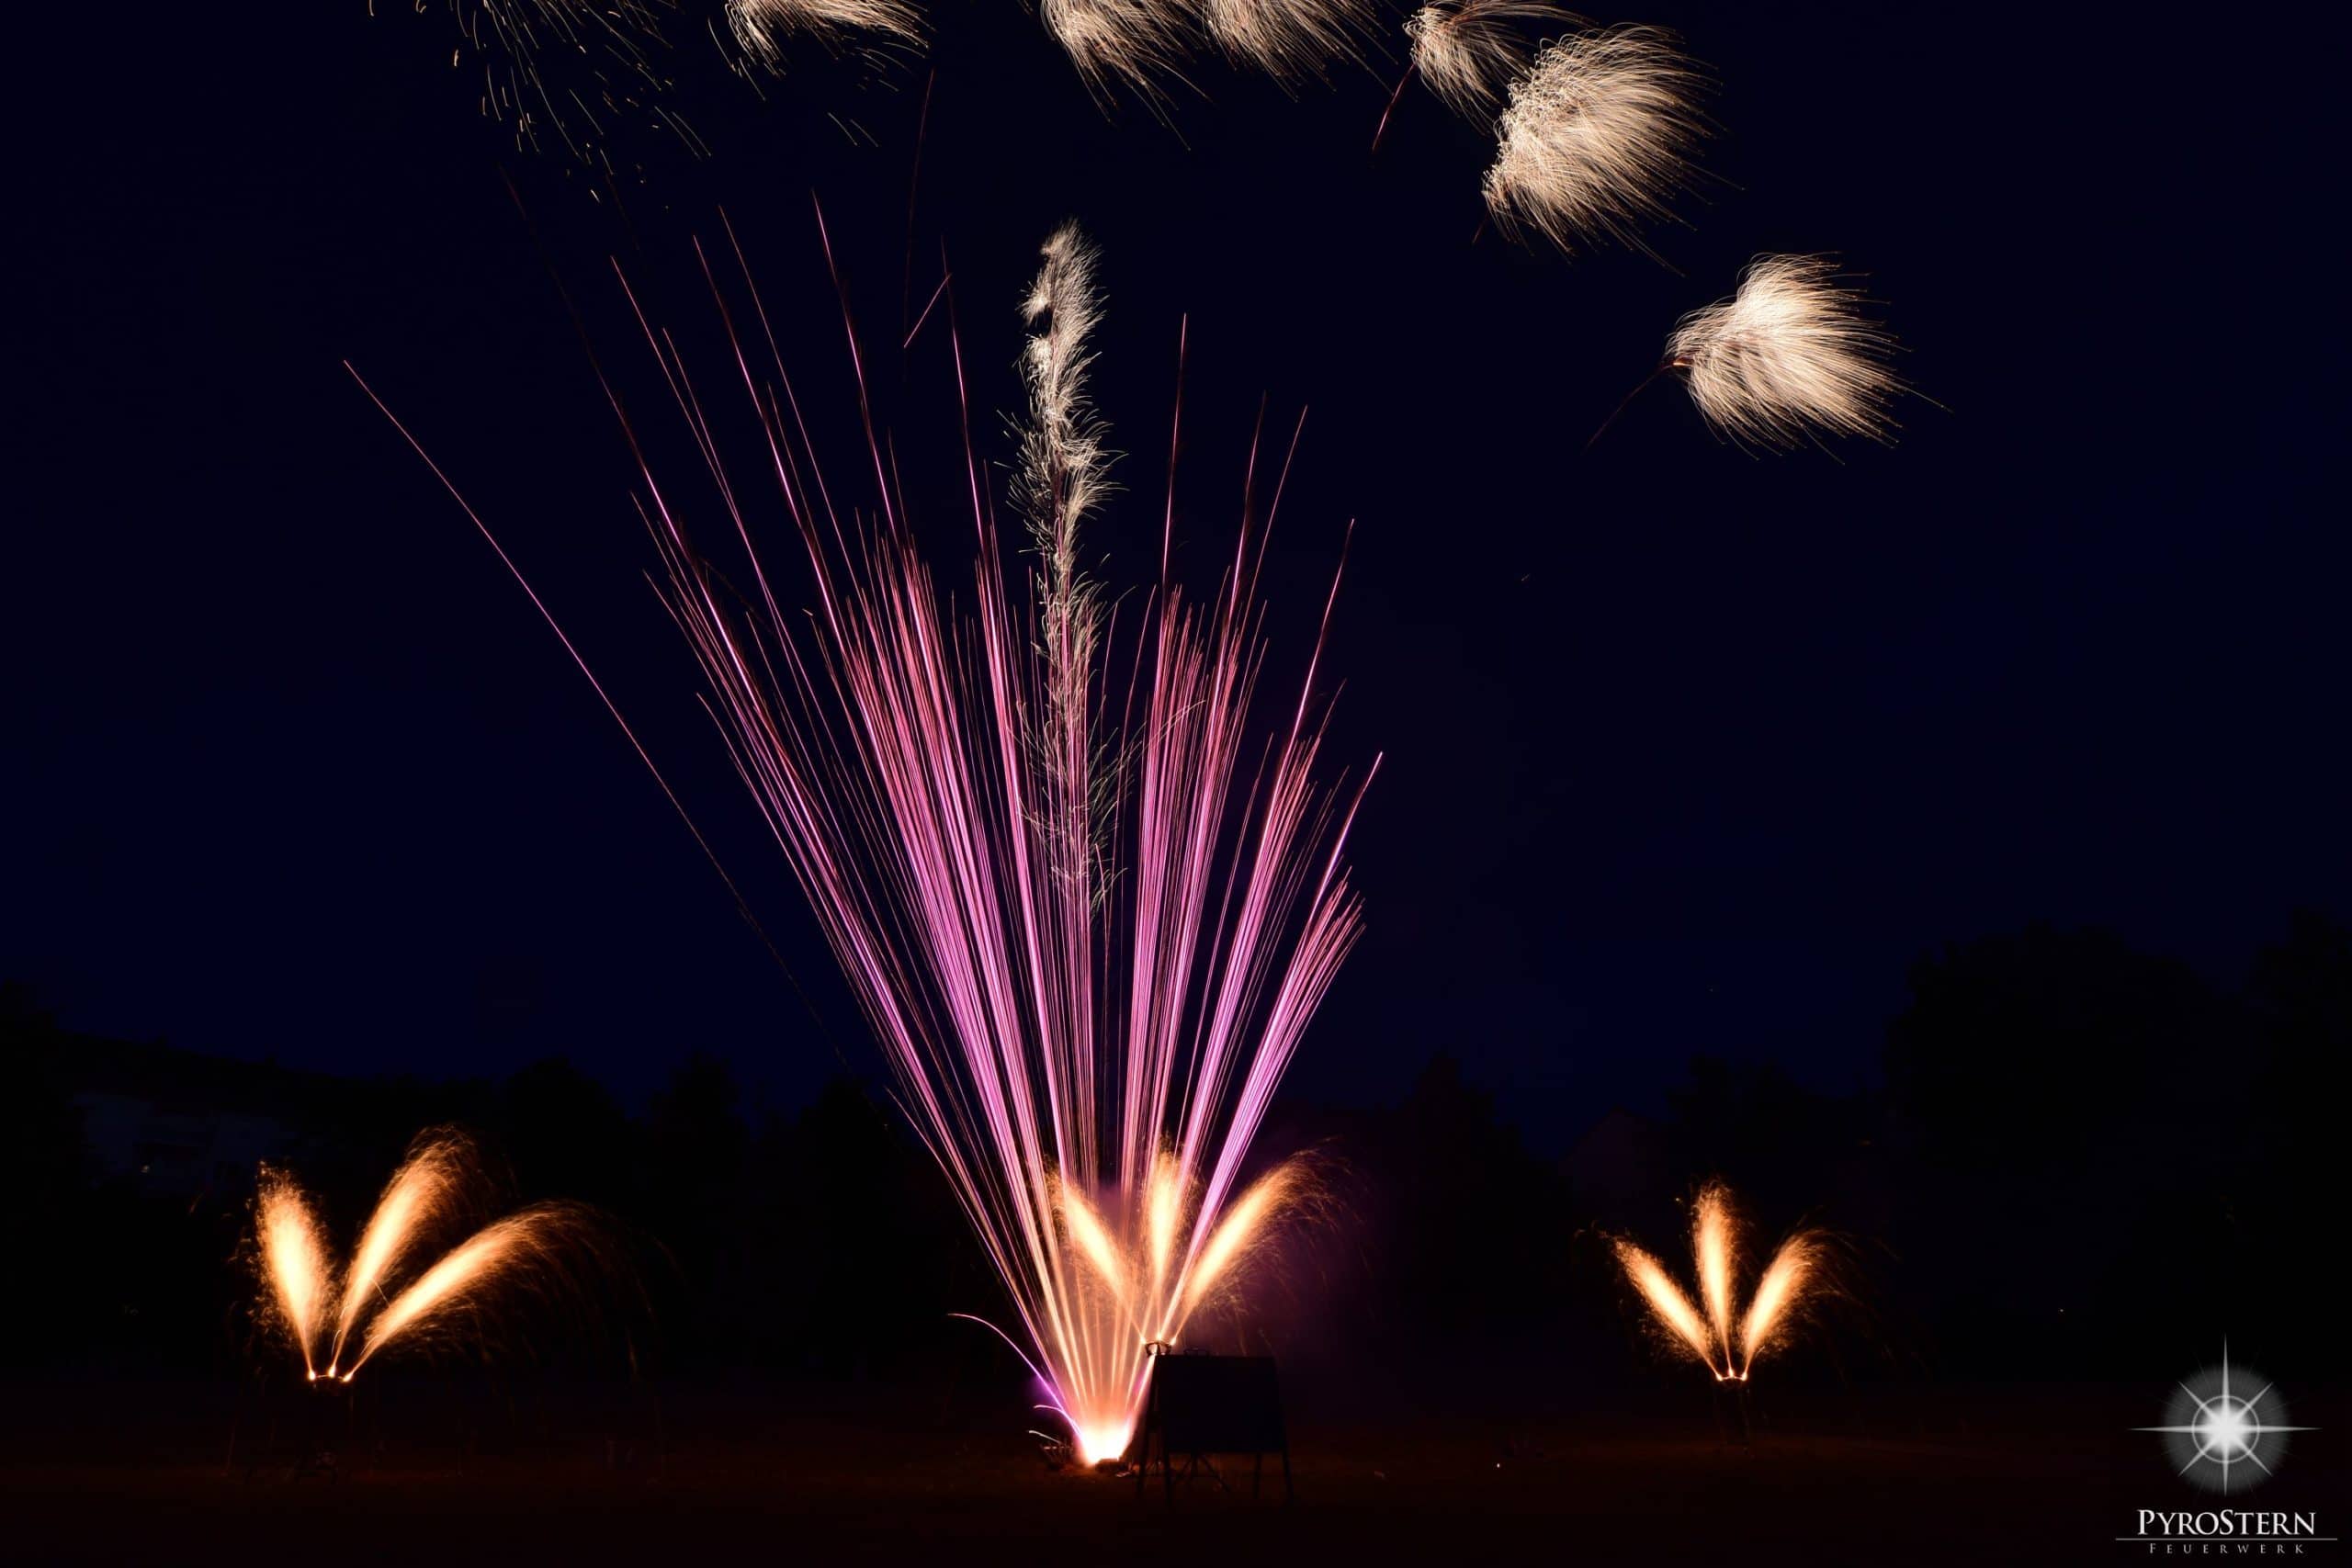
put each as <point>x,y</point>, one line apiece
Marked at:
<point>560,71</point>
<point>383,1299</point>
<point>1089,936</point>
<point>761,26</point>
<point>1597,137</point>
<point>1826,871</point>
<point>1087,917</point>
<point>1288,39</point>
<point>1786,356</point>
<point>1595,128</point>
<point>1713,1330</point>
<point>1468,52</point>
<point>1136,42</point>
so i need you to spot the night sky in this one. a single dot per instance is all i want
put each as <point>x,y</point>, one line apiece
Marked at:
<point>1686,750</point>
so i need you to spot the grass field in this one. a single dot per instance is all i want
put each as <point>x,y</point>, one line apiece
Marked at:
<point>673,1476</point>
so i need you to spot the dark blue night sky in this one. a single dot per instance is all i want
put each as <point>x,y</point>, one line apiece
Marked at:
<point>1686,751</point>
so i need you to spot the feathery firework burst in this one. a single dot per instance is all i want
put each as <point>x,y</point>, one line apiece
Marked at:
<point>1062,456</point>
<point>1139,43</point>
<point>1087,1055</point>
<point>1467,50</point>
<point>1712,1329</point>
<point>1286,39</point>
<point>1788,354</point>
<point>1596,138</point>
<point>761,25</point>
<point>1135,41</point>
<point>433,1188</point>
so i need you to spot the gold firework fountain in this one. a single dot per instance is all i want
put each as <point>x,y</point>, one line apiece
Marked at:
<point>394,1293</point>
<point>1713,1330</point>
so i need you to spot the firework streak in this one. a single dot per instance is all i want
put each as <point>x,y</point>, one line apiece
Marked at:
<point>1087,1053</point>
<point>532,1252</point>
<point>1800,1270</point>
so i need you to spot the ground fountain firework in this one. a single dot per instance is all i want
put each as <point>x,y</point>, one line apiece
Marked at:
<point>1087,917</point>
<point>383,1299</point>
<point>1713,1330</point>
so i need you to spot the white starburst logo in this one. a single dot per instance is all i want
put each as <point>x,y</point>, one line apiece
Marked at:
<point>2215,1433</point>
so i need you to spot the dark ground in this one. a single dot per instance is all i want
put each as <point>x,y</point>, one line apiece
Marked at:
<point>2025,1474</point>
<point>2021,1274</point>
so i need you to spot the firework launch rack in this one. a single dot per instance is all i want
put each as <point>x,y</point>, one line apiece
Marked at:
<point>1201,1406</point>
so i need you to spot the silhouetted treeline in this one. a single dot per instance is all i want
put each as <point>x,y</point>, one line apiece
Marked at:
<point>2083,1160</point>
<point>2095,1152</point>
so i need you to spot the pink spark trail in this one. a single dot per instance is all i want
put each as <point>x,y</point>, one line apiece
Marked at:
<point>1087,915</point>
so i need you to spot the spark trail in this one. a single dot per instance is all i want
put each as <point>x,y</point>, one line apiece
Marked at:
<point>1089,947</point>
<point>436,1189</point>
<point>1726,1341</point>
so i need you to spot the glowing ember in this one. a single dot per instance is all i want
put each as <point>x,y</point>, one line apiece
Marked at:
<point>565,71</point>
<point>1789,1281</point>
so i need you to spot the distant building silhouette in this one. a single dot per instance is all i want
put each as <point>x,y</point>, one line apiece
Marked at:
<point>177,1121</point>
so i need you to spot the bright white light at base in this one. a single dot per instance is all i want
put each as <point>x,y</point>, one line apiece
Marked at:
<point>1096,1444</point>
<point>2222,1429</point>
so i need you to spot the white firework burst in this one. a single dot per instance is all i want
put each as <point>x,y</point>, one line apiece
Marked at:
<point>1287,38</point>
<point>1135,41</point>
<point>1467,50</point>
<point>761,25</point>
<point>1787,357</point>
<point>1598,137</point>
